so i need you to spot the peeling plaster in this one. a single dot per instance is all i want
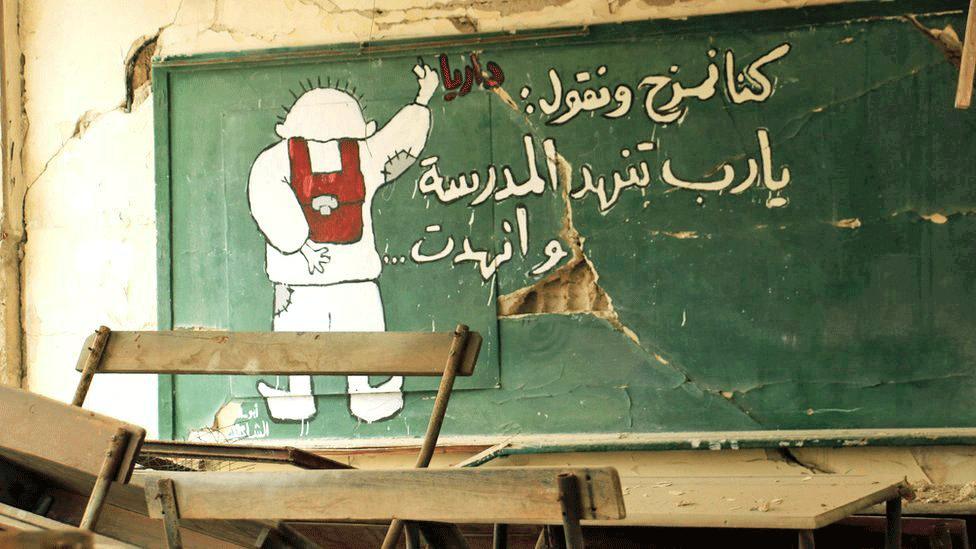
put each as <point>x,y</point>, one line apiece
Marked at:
<point>138,71</point>
<point>12,365</point>
<point>850,223</point>
<point>945,39</point>
<point>227,426</point>
<point>681,235</point>
<point>570,289</point>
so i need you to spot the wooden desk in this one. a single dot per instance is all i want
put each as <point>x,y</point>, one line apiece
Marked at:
<point>802,503</point>
<point>783,502</point>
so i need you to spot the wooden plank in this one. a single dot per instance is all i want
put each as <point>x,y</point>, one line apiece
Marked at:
<point>93,357</point>
<point>48,436</point>
<point>8,523</point>
<point>285,455</point>
<point>783,502</point>
<point>967,65</point>
<point>72,538</point>
<point>283,353</point>
<point>30,521</point>
<point>125,518</point>
<point>171,515</point>
<point>489,495</point>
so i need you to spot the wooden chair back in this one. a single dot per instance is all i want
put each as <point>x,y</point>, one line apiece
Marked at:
<point>290,353</point>
<point>54,439</point>
<point>277,353</point>
<point>67,444</point>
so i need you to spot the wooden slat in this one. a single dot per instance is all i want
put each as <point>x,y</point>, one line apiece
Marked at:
<point>31,522</point>
<point>283,353</point>
<point>54,438</point>
<point>285,455</point>
<point>967,65</point>
<point>8,523</point>
<point>782,502</point>
<point>496,494</point>
<point>171,517</point>
<point>48,539</point>
<point>125,518</point>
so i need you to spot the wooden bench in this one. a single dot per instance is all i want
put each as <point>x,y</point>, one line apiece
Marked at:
<point>509,495</point>
<point>444,354</point>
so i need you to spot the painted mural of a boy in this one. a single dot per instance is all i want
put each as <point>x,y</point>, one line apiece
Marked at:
<point>311,195</point>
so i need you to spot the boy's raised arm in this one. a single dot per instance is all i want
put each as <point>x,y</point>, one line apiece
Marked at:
<point>395,146</point>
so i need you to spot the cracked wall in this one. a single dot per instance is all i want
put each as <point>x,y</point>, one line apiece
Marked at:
<point>570,289</point>
<point>89,244</point>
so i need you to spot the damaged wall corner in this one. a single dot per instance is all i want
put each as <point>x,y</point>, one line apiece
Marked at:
<point>12,130</point>
<point>138,70</point>
<point>945,39</point>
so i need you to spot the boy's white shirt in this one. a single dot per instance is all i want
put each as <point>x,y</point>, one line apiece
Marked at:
<point>280,218</point>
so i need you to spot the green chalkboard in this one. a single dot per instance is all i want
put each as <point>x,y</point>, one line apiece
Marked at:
<point>744,222</point>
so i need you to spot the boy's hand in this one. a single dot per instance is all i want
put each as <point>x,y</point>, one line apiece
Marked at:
<point>316,256</point>
<point>428,81</point>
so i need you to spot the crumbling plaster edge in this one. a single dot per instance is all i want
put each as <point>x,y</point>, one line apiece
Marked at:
<point>13,131</point>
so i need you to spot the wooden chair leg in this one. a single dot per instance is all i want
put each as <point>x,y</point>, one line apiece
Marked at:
<point>454,358</point>
<point>442,536</point>
<point>542,541</point>
<point>893,526</point>
<point>569,500</point>
<point>413,535</point>
<point>296,538</point>
<point>805,539</point>
<point>549,538</point>
<point>103,482</point>
<point>171,515</point>
<point>283,536</point>
<point>499,537</point>
<point>967,65</point>
<point>941,537</point>
<point>92,362</point>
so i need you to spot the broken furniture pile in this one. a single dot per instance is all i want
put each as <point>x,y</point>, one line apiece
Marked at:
<point>76,467</point>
